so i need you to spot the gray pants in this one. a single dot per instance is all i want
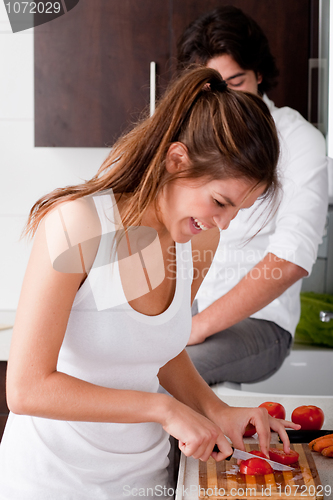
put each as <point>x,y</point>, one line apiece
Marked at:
<point>247,352</point>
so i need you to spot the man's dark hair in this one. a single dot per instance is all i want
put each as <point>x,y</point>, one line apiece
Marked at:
<point>227,30</point>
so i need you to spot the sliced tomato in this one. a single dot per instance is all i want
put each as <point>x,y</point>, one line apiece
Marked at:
<point>255,466</point>
<point>278,455</point>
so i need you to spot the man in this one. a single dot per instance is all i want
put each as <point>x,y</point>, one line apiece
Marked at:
<point>248,305</point>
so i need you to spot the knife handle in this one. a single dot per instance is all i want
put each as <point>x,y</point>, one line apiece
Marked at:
<point>216,448</point>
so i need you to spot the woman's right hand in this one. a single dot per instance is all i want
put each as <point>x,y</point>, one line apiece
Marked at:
<point>196,434</point>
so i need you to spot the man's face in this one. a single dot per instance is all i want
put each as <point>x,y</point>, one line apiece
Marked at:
<point>236,77</point>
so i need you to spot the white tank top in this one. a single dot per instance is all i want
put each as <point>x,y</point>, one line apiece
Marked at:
<point>112,346</point>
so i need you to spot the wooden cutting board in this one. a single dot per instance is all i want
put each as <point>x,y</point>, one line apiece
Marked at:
<point>221,480</point>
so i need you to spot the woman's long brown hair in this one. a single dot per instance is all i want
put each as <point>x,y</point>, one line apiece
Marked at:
<point>228,134</point>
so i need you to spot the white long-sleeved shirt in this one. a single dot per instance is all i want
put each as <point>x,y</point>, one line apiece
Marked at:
<point>293,233</point>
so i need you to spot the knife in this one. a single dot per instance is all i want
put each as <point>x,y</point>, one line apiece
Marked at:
<point>244,455</point>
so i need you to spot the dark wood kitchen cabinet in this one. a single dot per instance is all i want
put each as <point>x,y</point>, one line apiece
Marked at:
<point>3,404</point>
<point>92,65</point>
<point>92,69</point>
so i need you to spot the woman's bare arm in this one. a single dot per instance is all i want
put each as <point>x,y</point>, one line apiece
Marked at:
<point>34,386</point>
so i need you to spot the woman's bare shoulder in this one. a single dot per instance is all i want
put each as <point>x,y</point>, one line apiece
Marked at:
<point>73,231</point>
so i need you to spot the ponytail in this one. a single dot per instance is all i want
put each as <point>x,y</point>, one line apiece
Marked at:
<point>227,134</point>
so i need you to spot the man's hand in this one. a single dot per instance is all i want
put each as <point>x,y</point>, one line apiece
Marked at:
<point>197,332</point>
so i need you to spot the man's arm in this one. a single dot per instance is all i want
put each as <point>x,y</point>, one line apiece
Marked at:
<point>298,230</point>
<point>264,283</point>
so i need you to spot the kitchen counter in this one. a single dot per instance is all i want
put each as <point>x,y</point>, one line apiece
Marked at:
<point>6,328</point>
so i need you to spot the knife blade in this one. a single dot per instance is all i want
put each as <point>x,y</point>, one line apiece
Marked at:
<point>244,455</point>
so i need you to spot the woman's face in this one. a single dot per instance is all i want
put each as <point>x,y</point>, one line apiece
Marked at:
<point>190,206</point>
<point>236,77</point>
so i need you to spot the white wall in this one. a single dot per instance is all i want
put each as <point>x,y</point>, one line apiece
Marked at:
<point>26,172</point>
<point>330,93</point>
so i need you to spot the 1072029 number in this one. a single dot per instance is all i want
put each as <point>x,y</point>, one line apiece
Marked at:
<point>304,490</point>
<point>33,7</point>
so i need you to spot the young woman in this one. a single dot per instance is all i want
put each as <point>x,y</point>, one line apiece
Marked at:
<point>104,314</point>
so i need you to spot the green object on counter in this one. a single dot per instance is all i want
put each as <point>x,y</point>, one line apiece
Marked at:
<point>310,330</point>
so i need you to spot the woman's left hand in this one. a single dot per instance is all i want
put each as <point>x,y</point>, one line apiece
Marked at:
<point>233,422</point>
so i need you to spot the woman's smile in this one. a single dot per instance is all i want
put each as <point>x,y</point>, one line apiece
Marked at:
<point>189,207</point>
<point>198,225</point>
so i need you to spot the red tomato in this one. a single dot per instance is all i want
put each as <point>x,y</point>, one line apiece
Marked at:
<point>255,466</point>
<point>280,456</point>
<point>249,430</point>
<point>275,410</point>
<point>258,453</point>
<point>309,417</point>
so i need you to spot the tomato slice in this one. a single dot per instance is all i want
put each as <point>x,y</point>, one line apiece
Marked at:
<point>255,466</point>
<point>281,457</point>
